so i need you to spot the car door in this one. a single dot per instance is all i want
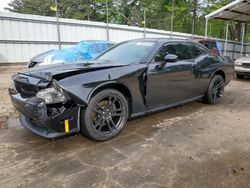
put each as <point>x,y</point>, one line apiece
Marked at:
<point>172,83</point>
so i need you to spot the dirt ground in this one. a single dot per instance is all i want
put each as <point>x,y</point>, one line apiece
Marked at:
<point>194,145</point>
<point>6,108</point>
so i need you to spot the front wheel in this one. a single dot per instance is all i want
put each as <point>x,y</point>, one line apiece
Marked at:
<point>215,90</point>
<point>105,116</point>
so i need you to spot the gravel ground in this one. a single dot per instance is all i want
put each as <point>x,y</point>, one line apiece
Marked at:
<point>192,146</point>
<point>6,109</point>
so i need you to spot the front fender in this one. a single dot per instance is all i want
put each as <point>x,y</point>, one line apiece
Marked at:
<point>105,85</point>
<point>82,86</point>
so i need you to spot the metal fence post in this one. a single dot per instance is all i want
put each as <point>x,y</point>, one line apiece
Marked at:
<point>206,27</point>
<point>233,50</point>
<point>172,18</point>
<point>225,44</point>
<point>58,26</point>
<point>107,19</point>
<point>144,15</point>
<point>242,39</point>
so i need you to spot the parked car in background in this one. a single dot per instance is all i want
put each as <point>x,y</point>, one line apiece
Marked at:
<point>211,45</point>
<point>242,67</point>
<point>132,79</point>
<point>84,50</point>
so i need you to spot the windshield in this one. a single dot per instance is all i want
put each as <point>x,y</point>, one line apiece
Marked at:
<point>128,52</point>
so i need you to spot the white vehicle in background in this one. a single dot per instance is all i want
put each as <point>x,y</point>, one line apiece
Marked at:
<point>242,67</point>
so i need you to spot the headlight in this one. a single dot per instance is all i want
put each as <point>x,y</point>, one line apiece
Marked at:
<point>51,96</point>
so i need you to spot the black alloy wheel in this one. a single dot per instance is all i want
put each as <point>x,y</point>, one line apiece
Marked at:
<point>105,116</point>
<point>215,90</point>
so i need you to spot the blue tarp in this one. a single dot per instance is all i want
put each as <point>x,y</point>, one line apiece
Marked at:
<point>219,46</point>
<point>84,50</point>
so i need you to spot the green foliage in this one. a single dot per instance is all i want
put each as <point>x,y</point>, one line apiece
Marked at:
<point>188,14</point>
<point>41,7</point>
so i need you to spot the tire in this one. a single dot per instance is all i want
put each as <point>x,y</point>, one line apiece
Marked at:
<point>239,76</point>
<point>215,90</point>
<point>105,116</point>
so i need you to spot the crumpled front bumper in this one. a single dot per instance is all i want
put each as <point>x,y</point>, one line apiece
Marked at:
<point>34,116</point>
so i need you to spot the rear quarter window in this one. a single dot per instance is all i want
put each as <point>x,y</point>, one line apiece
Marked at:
<point>196,51</point>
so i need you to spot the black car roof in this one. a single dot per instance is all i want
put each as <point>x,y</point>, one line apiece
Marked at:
<point>161,40</point>
<point>164,40</point>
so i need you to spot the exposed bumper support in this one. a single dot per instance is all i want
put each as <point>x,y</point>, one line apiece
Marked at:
<point>39,130</point>
<point>34,116</point>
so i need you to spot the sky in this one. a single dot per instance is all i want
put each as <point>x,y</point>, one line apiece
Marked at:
<point>4,3</point>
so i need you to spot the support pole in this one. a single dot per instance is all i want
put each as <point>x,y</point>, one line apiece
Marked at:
<point>172,18</point>
<point>107,19</point>
<point>225,44</point>
<point>206,26</point>
<point>194,14</point>
<point>58,26</point>
<point>192,36</point>
<point>242,39</point>
<point>144,15</point>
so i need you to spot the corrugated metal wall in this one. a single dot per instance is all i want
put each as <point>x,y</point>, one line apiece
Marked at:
<point>23,36</point>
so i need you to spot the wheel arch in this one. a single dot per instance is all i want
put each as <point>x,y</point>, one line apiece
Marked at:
<point>221,73</point>
<point>207,97</point>
<point>116,86</point>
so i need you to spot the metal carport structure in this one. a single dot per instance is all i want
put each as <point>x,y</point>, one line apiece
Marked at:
<point>238,11</point>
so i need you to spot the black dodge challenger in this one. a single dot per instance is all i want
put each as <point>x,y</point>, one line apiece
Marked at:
<point>131,79</point>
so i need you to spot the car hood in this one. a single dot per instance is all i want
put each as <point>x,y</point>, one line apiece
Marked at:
<point>62,70</point>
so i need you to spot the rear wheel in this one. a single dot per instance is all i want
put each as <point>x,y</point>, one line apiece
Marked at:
<point>105,116</point>
<point>239,76</point>
<point>215,90</point>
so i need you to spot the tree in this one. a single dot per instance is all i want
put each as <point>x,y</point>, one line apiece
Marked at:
<point>38,7</point>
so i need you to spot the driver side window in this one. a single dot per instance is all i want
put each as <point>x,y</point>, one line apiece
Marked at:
<point>165,50</point>
<point>181,50</point>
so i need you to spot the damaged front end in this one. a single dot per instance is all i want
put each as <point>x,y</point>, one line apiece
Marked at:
<point>46,108</point>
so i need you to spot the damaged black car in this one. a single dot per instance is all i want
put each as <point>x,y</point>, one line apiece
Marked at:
<point>131,79</point>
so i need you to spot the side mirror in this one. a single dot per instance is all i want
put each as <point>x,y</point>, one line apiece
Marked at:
<point>170,58</point>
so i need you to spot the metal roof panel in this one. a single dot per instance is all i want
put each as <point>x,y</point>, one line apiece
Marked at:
<point>238,10</point>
